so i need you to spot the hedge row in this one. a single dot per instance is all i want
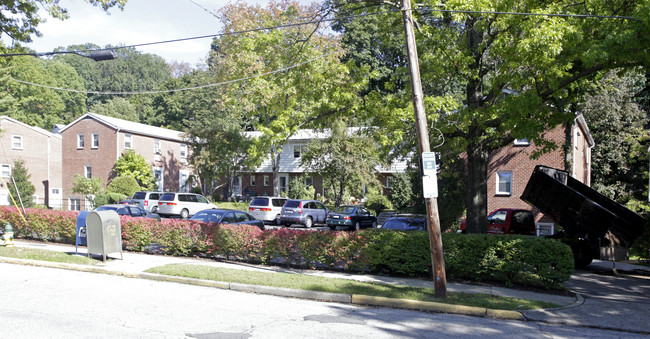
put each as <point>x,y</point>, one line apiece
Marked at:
<point>511,259</point>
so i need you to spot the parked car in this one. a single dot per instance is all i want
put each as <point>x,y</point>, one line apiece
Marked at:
<point>304,212</point>
<point>267,209</point>
<point>226,216</point>
<point>351,216</point>
<point>508,221</point>
<point>383,215</point>
<point>406,222</point>
<point>130,210</point>
<point>125,202</point>
<point>183,205</point>
<point>147,200</point>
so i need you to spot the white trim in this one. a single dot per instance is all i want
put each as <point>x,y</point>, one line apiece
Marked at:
<point>503,175</point>
<point>94,142</point>
<point>81,143</point>
<point>20,142</point>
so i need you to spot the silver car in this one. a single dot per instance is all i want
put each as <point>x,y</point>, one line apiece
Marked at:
<point>304,212</point>
<point>184,205</point>
<point>147,200</point>
<point>267,209</point>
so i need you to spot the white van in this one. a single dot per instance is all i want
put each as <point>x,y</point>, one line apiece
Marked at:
<point>182,205</point>
<point>267,209</point>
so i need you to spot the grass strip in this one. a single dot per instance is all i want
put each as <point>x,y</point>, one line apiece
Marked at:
<point>44,255</point>
<point>333,285</point>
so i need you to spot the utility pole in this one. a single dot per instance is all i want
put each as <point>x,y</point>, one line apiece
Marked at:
<point>433,219</point>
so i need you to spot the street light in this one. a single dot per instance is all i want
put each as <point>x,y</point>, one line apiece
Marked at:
<point>97,55</point>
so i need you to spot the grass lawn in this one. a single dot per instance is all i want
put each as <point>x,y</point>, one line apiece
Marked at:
<point>36,254</point>
<point>321,284</point>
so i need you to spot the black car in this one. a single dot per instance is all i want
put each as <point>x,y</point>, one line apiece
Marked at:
<point>226,216</point>
<point>351,216</point>
<point>406,222</point>
<point>129,210</point>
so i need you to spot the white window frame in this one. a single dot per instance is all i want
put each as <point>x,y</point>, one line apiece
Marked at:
<point>74,202</point>
<point>88,171</point>
<point>522,142</point>
<point>389,180</point>
<point>161,182</point>
<point>251,180</point>
<point>309,181</point>
<point>95,140</point>
<point>157,149</point>
<point>5,170</point>
<point>267,181</point>
<point>128,141</point>
<point>504,177</point>
<point>17,142</point>
<point>297,151</point>
<point>181,183</point>
<point>183,152</point>
<point>80,141</point>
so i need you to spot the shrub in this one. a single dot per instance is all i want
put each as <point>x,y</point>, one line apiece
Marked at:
<point>378,203</point>
<point>126,185</point>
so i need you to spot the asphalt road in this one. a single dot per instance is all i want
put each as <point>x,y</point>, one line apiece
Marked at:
<point>43,302</point>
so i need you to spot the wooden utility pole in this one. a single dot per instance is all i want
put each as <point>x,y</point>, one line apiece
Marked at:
<point>433,220</point>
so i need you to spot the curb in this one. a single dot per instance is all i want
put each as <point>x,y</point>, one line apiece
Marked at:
<point>356,299</point>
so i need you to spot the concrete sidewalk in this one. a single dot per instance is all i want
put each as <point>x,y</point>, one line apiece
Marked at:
<point>135,264</point>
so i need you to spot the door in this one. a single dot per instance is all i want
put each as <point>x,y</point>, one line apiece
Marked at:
<point>236,186</point>
<point>283,183</point>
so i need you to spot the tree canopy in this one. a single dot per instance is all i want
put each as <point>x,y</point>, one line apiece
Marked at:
<point>136,166</point>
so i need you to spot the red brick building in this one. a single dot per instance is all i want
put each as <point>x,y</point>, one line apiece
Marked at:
<point>92,143</point>
<point>510,167</point>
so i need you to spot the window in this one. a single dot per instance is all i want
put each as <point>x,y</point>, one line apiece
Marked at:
<point>252,180</point>
<point>95,140</point>
<point>158,176</point>
<point>6,170</point>
<point>504,183</point>
<point>157,149</point>
<point>55,191</point>
<point>16,142</point>
<point>266,180</point>
<point>309,181</point>
<point>183,151</point>
<point>296,151</point>
<point>389,182</point>
<point>80,141</point>
<point>88,172</point>
<point>128,141</point>
<point>182,181</point>
<point>75,204</point>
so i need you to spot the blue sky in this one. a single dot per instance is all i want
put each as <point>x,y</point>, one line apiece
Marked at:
<point>141,21</point>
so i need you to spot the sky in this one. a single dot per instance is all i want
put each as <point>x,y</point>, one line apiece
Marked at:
<point>141,21</point>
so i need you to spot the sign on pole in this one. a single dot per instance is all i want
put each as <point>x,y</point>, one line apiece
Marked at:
<point>429,175</point>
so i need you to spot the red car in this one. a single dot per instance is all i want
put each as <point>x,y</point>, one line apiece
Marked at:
<point>508,221</point>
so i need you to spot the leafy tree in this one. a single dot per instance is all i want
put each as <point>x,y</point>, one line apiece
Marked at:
<point>280,102</point>
<point>346,162</point>
<point>125,185</point>
<point>90,188</point>
<point>19,19</point>
<point>136,166</point>
<point>540,60</point>
<point>401,194</point>
<point>117,107</point>
<point>298,189</point>
<point>25,188</point>
<point>619,157</point>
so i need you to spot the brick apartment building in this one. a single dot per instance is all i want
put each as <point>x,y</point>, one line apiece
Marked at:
<point>41,152</point>
<point>510,167</point>
<point>92,143</point>
<point>260,181</point>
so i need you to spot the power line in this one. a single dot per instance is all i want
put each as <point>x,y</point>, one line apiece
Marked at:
<point>176,89</point>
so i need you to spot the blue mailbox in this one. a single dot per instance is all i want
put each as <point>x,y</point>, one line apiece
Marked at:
<point>81,230</point>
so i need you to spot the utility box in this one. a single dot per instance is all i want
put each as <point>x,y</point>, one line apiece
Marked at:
<point>81,231</point>
<point>104,233</point>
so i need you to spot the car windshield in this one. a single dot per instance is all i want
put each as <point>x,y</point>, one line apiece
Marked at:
<point>260,202</point>
<point>106,208</point>
<point>405,224</point>
<point>498,217</point>
<point>344,209</point>
<point>139,195</point>
<point>208,216</point>
<point>292,203</point>
<point>168,196</point>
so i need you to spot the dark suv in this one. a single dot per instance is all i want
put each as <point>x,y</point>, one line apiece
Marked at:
<point>304,212</point>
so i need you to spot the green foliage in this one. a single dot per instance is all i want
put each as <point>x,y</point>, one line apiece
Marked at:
<point>401,193</point>
<point>108,198</point>
<point>298,189</point>
<point>347,162</point>
<point>25,188</point>
<point>117,107</point>
<point>136,166</point>
<point>378,202</point>
<point>88,187</point>
<point>125,185</point>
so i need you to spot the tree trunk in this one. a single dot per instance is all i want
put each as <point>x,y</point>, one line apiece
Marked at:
<point>477,163</point>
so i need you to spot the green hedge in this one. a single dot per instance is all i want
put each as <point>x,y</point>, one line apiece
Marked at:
<point>511,259</point>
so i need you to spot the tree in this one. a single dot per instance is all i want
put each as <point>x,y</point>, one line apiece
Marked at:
<point>117,107</point>
<point>519,74</point>
<point>297,78</point>
<point>401,193</point>
<point>20,19</point>
<point>136,166</point>
<point>346,162</point>
<point>298,189</point>
<point>21,179</point>
<point>126,185</point>
<point>88,187</point>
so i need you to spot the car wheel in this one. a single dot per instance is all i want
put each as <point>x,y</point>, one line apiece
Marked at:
<point>308,222</point>
<point>154,209</point>
<point>332,227</point>
<point>277,220</point>
<point>357,226</point>
<point>185,214</point>
<point>374,224</point>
